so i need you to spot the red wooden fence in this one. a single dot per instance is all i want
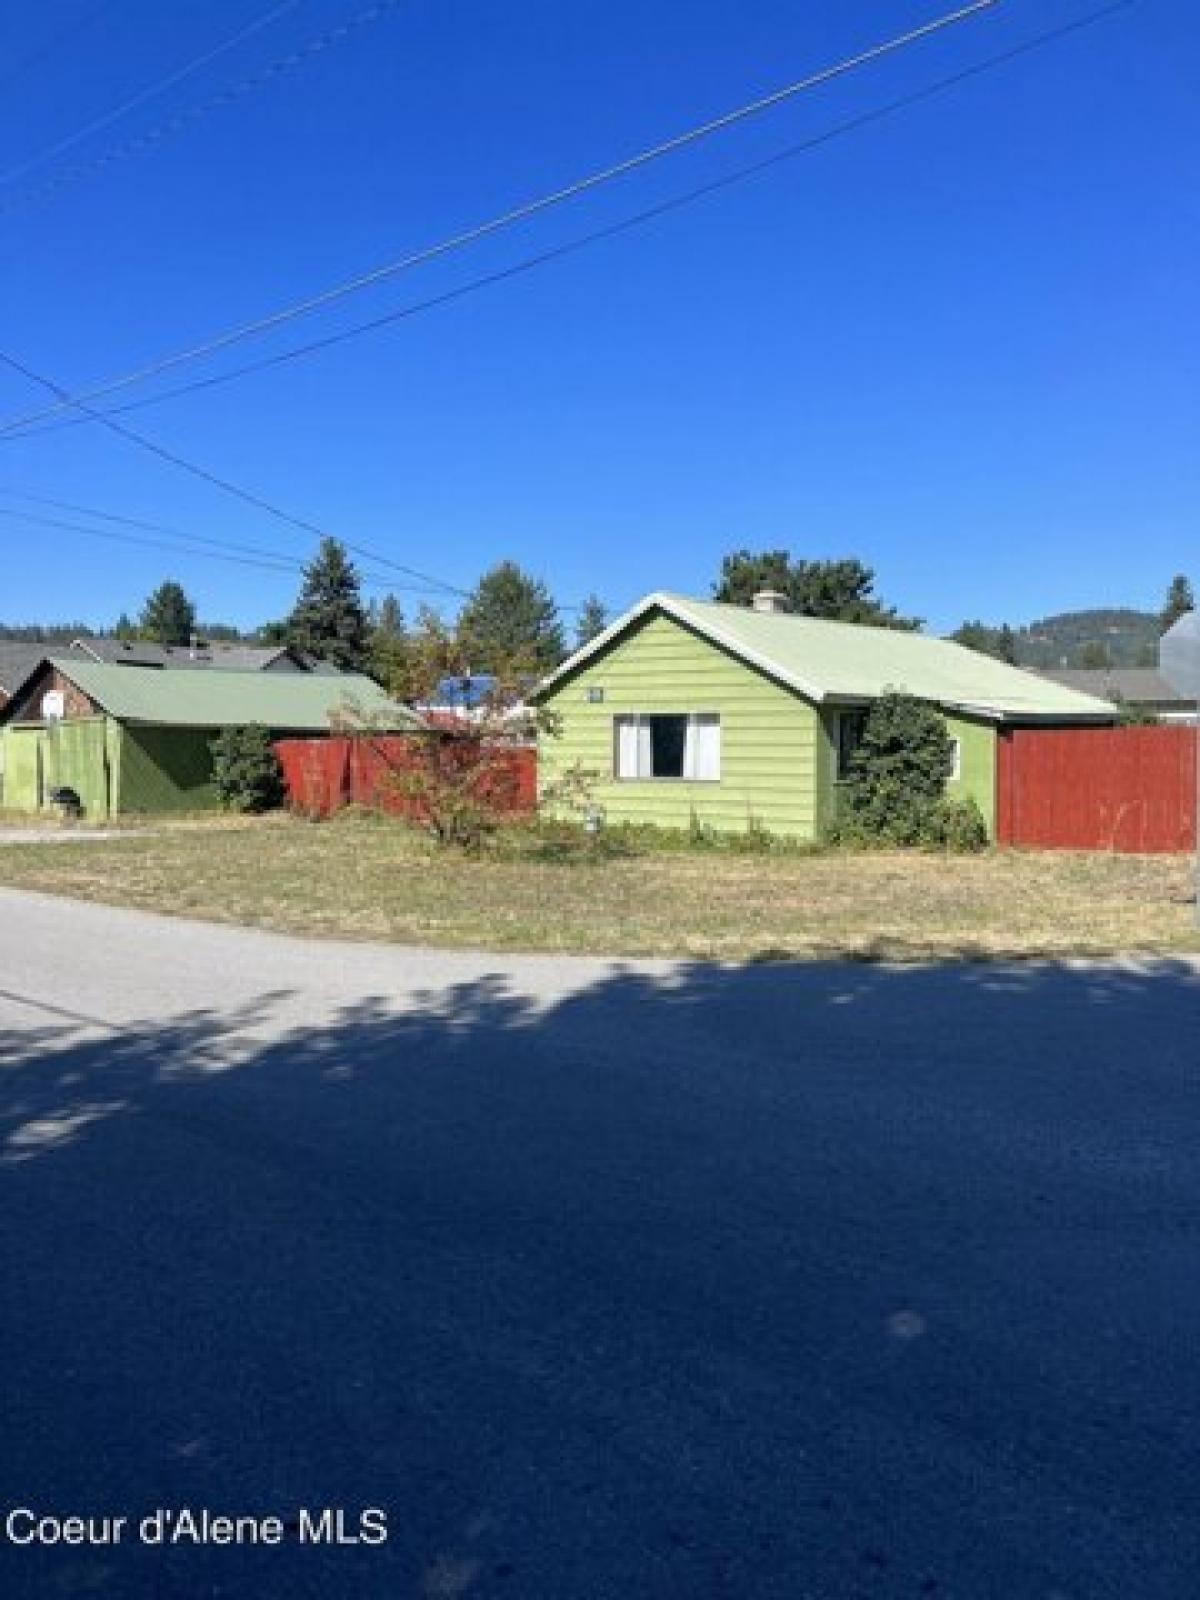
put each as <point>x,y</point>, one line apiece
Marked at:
<point>322,775</point>
<point>1125,789</point>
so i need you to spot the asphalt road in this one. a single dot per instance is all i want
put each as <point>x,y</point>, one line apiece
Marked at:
<point>629,1281</point>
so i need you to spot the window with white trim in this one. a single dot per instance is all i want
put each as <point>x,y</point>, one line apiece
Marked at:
<point>955,760</point>
<point>668,745</point>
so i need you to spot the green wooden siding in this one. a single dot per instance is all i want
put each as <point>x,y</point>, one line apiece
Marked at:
<point>769,736</point>
<point>977,777</point>
<point>165,769</point>
<point>77,756</point>
<point>111,768</point>
<point>778,752</point>
<point>977,772</point>
<point>22,764</point>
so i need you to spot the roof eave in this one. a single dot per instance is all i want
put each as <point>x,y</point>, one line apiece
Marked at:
<point>665,603</point>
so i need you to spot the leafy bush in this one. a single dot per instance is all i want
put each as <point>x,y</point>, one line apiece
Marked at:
<point>460,787</point>
<point>895,788</point>
<point>246,770</point>
<point>961,826</point>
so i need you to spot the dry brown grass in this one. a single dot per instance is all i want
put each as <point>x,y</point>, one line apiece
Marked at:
<point>363,879</point>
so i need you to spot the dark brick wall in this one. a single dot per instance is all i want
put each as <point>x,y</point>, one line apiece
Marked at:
<point>28,706</point>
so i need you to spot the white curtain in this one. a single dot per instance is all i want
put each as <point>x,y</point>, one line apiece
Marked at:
<point>633,747</point>
<point>702,748</point>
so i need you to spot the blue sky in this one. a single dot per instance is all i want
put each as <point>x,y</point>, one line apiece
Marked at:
<point>960,344</point>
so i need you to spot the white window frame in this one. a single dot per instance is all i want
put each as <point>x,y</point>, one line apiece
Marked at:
<point>955,773</point>
<point>694,720</point>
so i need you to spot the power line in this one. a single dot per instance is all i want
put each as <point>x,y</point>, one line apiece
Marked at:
<point>521,213</point>
<point>160,86</point>
<point>174,546</point>
<point>246,553</point>
<point>612,230</point>
<point>282,565</point>
<point>248,497</point>
<point>181,120</point>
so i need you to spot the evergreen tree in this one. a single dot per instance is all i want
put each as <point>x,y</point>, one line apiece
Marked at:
<point>1180,600</point>
<point>841,591</point>
<point>593,619</point>
<point>168,617</point>
<point>328,619</point>
<point>389,663</point>
<point>124,627</point>
<point>1000,643</point>
<point>896,786</point>
<point>510,624</point>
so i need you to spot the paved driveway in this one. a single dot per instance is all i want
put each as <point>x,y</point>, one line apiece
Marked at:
<point>629,1281</point>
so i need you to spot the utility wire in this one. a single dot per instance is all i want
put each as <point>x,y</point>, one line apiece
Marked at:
<point>521,213</point>
<point>175,535</point>
<point>225,484</point>
<point>181,120</point>
<point>283,565</point>
<point>160,86</point>
<point>613,230</point>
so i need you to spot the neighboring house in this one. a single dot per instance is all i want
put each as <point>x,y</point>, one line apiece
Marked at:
<point>1140,688</point>
<point>136,738</point>
<point>200,654</point>
<point>17,661</point>
<point>1179,656</point>
<point>732,715</point>
<point>459,702</point>
<point>1170,691</point>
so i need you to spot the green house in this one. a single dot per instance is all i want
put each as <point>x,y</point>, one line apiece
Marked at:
<point>136,738</point>
<point>732,716</point>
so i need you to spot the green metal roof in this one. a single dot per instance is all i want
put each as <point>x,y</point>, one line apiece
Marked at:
<point>841,661</point>
<point>286,702</point>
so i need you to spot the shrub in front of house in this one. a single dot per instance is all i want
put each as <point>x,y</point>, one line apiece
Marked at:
<point>895,792</point>
<point>246,770</point>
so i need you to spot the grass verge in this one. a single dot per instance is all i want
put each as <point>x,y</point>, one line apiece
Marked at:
<point>361,878</point>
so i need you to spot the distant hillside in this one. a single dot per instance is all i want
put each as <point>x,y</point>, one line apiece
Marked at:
<point>1130,638</point>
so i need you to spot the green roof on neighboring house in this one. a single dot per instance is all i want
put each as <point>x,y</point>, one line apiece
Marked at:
<point>845,662</point>
<point>286,702</point>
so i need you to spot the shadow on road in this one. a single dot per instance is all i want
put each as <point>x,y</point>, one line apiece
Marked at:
<point>819,1280</point>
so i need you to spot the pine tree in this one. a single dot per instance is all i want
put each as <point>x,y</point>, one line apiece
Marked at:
<point>328,619</point>
<point>124,627</point>
<point>389,663</point>
<point>1180,600</point>
<point>510,624</point>
<point>840,591</point>
<point>1000,642</point>
<point>593,619</point>
<point>168,617</point>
